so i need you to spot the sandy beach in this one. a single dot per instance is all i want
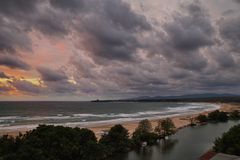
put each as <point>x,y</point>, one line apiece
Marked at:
<point>179,121</point>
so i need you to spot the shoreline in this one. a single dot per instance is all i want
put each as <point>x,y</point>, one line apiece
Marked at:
<point>180,121</point>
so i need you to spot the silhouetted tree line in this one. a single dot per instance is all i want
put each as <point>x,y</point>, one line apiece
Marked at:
<point>48,142</point>
<point>218,116</point>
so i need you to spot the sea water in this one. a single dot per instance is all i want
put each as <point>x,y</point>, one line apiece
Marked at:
<point>17,115</point>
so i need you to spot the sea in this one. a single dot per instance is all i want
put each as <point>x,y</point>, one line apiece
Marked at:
<point>28,115</point>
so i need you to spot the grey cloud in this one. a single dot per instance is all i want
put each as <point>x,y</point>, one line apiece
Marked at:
<point>71,5</point>
<point>63,87</point>
<point>185,35</point>
<point>192,31</point>
<point>3,75</point>
<point>238,1</point>
<point>25,86</point>
<point>13,62</point>
<point>12,37</point>
<point>229,30</point>
<point>120,53</point>
<point>4,89</point>
<point>51,75</point>
<point>18,7</point>
<point>112,30</point>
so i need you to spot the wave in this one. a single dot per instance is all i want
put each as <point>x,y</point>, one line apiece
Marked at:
<point>88,119</point>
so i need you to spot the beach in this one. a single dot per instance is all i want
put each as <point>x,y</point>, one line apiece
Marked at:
<point>180,121</point>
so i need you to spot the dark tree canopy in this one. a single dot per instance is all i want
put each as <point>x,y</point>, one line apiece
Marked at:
<point>202,118</point>
<point>50,143</point>
<point>235,115</point>
<point>166,127</point>
<point>143,133</point>
<point>229,143</point>
<point>218,116</point>
<point>117,140</point>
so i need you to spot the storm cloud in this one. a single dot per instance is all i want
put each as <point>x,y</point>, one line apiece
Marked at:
<point>119,48</point>
<point>13,62</point>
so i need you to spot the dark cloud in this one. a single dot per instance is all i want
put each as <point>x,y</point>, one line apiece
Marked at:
<point>18,7</point>
<point>13,62</point>
<point>51,75</point>
<point>63,87</point>
<point>4,89</point>
<point>12,37</point>
<point>112,30</point>
<point>71,5</point>
<point>25,86</point>
<point>238,1</point>
<point>185,35</point>
<point>118,52</point>
<point>57,81</point>
<point>3,75</point>
<point>190,30</point>
<point>229,30</point>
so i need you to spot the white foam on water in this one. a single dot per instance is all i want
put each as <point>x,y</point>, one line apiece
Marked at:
<point>82,121</point>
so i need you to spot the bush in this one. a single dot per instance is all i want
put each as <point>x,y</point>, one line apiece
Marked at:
<point>218,116</point>
<point>235,115</point>
<point>202,118</point>
<point>229,143</point>
<point>165,127</point>
<point>52,142</point>
<point>117,140</point>
<point>144,126</point>
<point>143,133</point>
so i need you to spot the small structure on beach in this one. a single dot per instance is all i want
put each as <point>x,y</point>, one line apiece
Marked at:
<point>210,155</point>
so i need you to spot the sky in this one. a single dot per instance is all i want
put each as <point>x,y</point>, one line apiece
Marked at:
<point>111,49</point>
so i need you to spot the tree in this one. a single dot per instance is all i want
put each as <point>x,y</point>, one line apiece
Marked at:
<point>52,142</point>
<point>217,116</point>
<point>145,126</point>
<point>202,118</point>
<point>117,140</point>
<point>158,129</point>
<point>235,115</point>
<point>143,133</point>
<point>229,143</point>
<point>167,127</point>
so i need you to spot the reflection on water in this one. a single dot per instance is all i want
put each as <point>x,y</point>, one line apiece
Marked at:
<point>187,144</point>
<point>167,145</point>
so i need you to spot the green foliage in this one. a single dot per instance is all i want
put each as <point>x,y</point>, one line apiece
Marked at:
<point>143,133</point>
<point>217,116</point>
<point>144,126</point>
<point>52,143</point>
<point>167,127</point>
<point>139,137</point>
<point>235,115</point>
<point>202,118</point>
<point>117,140</point>
<point>229,143</point>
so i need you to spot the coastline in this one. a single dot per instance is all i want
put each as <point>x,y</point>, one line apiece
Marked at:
<point>180,121</point>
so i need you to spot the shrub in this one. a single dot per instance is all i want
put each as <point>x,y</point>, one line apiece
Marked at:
<point>165,127</point>
<point>143,133</point>
<point>235,115</point>
<point>202,118</point>
<point>52,142</point>
<point>218,116</point>
<point>117,140</point>
<point>229,143</point>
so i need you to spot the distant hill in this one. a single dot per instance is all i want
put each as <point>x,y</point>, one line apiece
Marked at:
<point>205,97</point>
<point>187,96</point>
